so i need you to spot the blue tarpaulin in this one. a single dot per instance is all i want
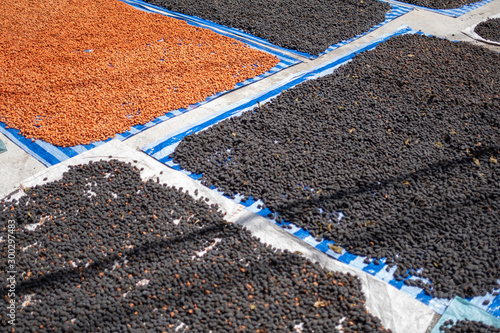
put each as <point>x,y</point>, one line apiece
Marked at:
<point>454,12</point>
<point>460,309</point>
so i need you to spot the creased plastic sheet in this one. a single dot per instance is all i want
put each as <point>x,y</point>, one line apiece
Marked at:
<point>398,311</point>
<point>469,31</point>
<point>49,154</point>
<point>460,309</point>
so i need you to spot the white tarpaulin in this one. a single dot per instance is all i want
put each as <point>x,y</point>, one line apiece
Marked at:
<point>470,31</point>
<point>397,311</point>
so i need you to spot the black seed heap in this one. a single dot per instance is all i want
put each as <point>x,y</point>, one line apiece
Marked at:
<point>112,253</point>
<point>467,326</point>
<point>404,140</point>
<point>489,29</point>
<point>309,27</point>
<point>441,4</point>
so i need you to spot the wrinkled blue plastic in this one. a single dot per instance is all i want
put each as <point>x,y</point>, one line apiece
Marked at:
<point>460,309</point>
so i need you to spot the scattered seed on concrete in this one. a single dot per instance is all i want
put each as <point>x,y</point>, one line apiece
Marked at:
<point>404,140</point>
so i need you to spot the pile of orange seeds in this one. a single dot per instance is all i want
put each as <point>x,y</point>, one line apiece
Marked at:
<point>78,71</point>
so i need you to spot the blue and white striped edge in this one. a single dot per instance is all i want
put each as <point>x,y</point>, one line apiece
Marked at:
<point>161,150</point>
<point>163,147</point>
<point>396,11</point>
<point>455,12</point>
<point>49,154</point>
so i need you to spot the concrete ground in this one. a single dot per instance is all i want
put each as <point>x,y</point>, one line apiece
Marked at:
<point>16,165</point>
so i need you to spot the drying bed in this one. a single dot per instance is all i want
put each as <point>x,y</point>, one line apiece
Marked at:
<point>396,149</point>
<point>309,27</point>
<point>489,29</point>
<point>114,67</point>
<point>162,151</point>
<point>485,31</point>
<point>156,257</point>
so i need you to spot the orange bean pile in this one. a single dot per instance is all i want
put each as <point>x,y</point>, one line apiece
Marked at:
<point>140,66</point>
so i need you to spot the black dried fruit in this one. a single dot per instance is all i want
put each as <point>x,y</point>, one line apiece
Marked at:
<point>112,253</point>
<point>403,140</point>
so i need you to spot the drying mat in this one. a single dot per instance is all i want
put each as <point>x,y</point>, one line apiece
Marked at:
<point>397,11</point>
<point>49,154</point>
<point>2,147</point>
<point>398,311</point>
<point>456,12</point>
<point>470,31</point>
<point>460,309</point>
<point>161,150</point>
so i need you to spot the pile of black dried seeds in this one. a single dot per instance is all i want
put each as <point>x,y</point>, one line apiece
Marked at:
<point>404,140</point>
<point>441,4</point>
<point>489,29</point>
<point>116,254</point>
<point>467,326</point>
<point>309,27</point>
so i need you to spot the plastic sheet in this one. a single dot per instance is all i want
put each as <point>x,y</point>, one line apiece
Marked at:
<point>456,12</point>
<point>398,311</point>
<point>161,149</point>
<point>460,309</point>
<point>397,11</point>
